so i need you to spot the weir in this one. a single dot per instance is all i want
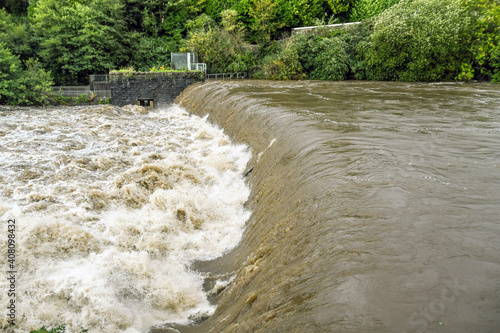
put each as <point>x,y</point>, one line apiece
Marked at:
<point>267,293</point>
<point>360,221</point>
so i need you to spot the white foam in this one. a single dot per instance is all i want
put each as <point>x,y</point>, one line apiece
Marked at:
<point>112,205</point>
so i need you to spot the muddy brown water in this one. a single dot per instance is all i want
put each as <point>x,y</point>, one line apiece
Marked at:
<point>375,206</point>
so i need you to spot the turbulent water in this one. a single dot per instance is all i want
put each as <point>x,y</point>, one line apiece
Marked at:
<point>375,207</point>
<point>112,206</point>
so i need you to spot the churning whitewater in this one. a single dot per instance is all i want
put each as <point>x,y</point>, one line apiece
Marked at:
<point>112,205</point>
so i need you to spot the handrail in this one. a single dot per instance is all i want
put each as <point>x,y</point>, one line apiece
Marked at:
<point>228,76</point>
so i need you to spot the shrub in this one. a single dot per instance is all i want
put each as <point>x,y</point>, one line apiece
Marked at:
<point>357,40</point>
<point>283,65</point>
<point>421,40</point>
<point>323,58</point>
<point>35,84</point>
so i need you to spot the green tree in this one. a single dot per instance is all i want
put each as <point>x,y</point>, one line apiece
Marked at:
<point>421,40</point>
<point>16,7</point>
<point>9,69</point>
<point>14,35</point>
<point>158,18</point>
<point>265,23</point>
<point>22,87</point>
<point>222,50</point>
<point>364,9</point>
<point>266,17</point>
<point>80,37</point>
<point>299,13</point>
<point>486,45</point>
<point>153,52</point>
<point>341,8</point>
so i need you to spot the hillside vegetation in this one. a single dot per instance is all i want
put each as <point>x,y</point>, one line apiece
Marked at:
<point>46,42</point>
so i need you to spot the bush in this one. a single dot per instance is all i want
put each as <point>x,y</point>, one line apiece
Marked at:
<point>421,40</point>
<point>357,40</point>
<point>323,58</point>
<point>283,65</point>
<point>35,85</point>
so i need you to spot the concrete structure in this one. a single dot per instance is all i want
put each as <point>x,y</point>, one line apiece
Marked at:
<point>154,89</point>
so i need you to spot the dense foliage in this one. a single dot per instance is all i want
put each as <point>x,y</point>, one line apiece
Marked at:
<point>421,40</point>
<point>323,58</point>
<point>486,42</point>
<point>221,48</point>
<point>408,40</point>
<point>368,8</point>
<point>77,38</point>
<point>31,86</point>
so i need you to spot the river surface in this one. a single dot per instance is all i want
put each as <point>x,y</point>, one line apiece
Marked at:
<point>111,207</point>
<point>320,207</point>
<point>375,206</point>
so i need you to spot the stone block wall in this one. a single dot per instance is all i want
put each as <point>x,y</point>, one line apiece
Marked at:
<point>161,87</point>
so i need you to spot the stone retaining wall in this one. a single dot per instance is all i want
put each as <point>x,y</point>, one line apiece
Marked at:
<point>160,87</point>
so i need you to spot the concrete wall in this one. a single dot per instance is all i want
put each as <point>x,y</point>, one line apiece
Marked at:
<point>161,87</point>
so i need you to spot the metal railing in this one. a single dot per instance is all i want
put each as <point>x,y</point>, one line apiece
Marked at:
<point>199,66</point>
<point>98,78</point>
<point>71,91</point>
<point>227,76</point>
<point>76,91</point>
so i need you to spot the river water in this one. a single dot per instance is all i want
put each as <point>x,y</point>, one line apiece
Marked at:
<point>366,207</point>
<point>375,206</point>
<point>111,207</point>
